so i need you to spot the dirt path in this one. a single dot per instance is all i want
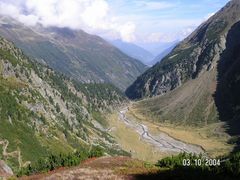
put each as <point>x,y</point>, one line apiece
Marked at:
<point>6,154</point>
<point>162,141</point>
<point>16,154</point>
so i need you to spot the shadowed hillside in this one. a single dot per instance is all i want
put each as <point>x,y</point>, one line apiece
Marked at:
<point>228,88</point>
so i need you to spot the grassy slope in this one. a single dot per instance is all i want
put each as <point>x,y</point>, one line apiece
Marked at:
<point>17,133</point>
<point>191,104</point>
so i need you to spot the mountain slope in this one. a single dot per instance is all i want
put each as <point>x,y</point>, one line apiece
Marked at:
<point>198,82</point>
<point>191,57</point>
<point>43,112</point>
<point>85,57</point>
<point>134,51</point>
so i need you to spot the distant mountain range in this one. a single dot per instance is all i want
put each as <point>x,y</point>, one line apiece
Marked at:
<point>134,51</point>
<point>87,58</point>
<point>156,52</point>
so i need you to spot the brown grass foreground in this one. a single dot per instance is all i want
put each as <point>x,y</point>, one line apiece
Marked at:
<point>117,168</point>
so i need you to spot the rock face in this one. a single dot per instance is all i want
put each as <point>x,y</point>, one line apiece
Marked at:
<point>198,53</point>
<point>5,170</point>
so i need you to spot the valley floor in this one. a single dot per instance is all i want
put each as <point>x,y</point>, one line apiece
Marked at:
<point>212,138</point>
<point>150,141</point>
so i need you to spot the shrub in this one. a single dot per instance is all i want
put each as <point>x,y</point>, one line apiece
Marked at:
<point>52,161</point>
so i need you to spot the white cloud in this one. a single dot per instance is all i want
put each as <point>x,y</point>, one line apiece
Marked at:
<point>29,20</point>
<point>161,37</point>
<point>185,32</point>
<point>155,37</point>
<point>94,14</point>
<point>127,32</point>
<point>136,20</point>
<point>168,36</point>
<point>90,15</point>
<point>8,9</point>
<point>209,15</point>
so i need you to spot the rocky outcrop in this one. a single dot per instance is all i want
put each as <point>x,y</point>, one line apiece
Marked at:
<point>5,170</point>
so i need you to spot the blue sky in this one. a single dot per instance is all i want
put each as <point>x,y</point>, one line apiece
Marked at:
<point>165,19</point>
<point>138,21</point>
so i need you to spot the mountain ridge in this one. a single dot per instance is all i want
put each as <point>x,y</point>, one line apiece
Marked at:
<point>86,58</point>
